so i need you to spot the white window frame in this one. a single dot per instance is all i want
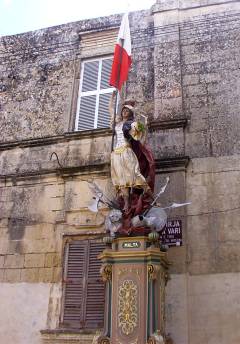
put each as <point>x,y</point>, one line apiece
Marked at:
<point>97,92</point>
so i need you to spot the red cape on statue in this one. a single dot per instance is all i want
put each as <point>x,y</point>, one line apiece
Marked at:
<point>139,201</point>
<point>146,162</point>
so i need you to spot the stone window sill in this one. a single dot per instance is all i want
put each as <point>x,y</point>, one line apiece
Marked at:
<point>68,336</point>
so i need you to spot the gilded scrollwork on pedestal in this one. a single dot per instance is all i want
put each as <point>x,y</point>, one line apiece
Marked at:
<point>153,271</point>
<point>104,341</point>
<point>101,340</point>
<point>128,306</point>
<point>106,272</point>
<point>167,277</point>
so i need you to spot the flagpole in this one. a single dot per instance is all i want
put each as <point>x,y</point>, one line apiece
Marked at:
<point>115,106</point>
<point>114,121</point>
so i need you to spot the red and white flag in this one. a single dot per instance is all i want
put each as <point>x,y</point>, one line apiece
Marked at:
<point>122,55</point>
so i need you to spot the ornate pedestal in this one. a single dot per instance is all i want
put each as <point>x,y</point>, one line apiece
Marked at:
<point>135,273</point>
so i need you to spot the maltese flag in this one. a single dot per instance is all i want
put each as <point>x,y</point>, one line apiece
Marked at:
<point>122,55</point>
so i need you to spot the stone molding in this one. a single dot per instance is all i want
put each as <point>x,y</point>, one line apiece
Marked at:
<point>170,5</point>
<point>172,164</point>
<point>70,168</point>
<point>87,134</point>
<point>100,169</point>
<point>162,165</point>
<point>69,136</point>
<point>59,336</point>
<point>168,124</point>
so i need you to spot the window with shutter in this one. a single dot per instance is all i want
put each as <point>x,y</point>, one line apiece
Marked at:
<point>95,289</point>
<point>83,302</point>
<point>94,94</point>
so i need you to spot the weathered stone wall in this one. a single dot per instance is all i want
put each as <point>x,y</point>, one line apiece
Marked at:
<point>38,213</point>
<point>37,72</point>
<point>185,77</point>
<point>197,77</point>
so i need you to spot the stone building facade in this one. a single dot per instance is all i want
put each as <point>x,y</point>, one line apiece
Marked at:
<point>185,78</point>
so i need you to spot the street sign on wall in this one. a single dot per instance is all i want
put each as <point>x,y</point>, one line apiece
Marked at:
<point>171,235</point>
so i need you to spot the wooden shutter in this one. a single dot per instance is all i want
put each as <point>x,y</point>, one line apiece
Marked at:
<point>90,76</point>
<point>104,98</point>
<point>76,252</point>
<point>87,106</point>
<point>105,73</point>
<point>103,111</point>
<point>87,112</point>
<point>94,96</point>
<point>83,288</point>
<point>94,316</point>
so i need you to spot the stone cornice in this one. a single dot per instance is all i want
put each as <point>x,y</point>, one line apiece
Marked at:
<point>67,331</point>
<point>101,168</point>
<point>170,164</point>
<point>49,140</point>
<point>170,5</point>
<point>87,134</point>
<point>168,124</point>
<point>58,336</point>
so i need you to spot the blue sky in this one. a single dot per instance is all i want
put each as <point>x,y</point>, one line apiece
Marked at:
<point>17,16</point>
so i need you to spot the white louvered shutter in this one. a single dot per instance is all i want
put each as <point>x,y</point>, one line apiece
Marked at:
<point>94,95</point>
<point>87,113</point>
<point>105,73</point>
<point>90,76</point>
<point>103,112</point>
